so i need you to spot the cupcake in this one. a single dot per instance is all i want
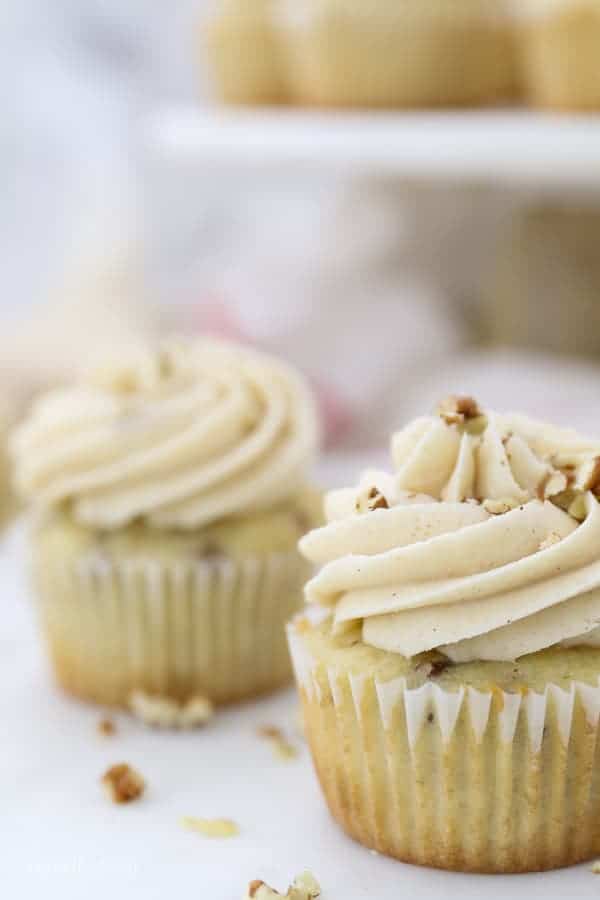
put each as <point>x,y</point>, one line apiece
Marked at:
<point>244,53</point>
<point>449,667</point>
<point>169,492</point>
<point>399,54</point>
<point>560,62</point>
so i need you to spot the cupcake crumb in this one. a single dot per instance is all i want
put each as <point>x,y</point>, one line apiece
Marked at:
<point>212,828</point>
<point>282,748</point>
<point>595,867</point>
<point>123,783</point>
<point>163,712</point>
<point>304,887</point>
<point>106,727</point>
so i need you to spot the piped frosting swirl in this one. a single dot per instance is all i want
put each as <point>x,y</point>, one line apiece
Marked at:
<point>180,436</point>
<point>484,543</point>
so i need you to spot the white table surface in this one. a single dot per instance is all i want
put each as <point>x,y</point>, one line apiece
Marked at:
<point>61,837</point>
<point>505,146</point>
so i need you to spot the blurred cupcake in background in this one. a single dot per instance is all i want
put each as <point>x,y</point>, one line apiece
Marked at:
<point>398,54</point>
<point>560,59</point>
<point>244,52</point>
<point>170,489</point>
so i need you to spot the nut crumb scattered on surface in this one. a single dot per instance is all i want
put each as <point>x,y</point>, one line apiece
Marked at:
<point>304,887</point>
<point>280,744</point>
<point>123,784</point>
<point>107,727</point>
<point>595,867</point>
<point>163,712</point>
<point>212,828</point>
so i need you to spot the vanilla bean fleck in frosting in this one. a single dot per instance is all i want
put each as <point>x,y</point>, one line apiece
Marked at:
<point>484,543</point>
<point>180,436</point>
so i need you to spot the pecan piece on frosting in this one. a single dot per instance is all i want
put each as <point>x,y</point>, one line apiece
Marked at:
<point>551,484</point>
<point>371,499</point>
<point>501,505</point>
<point>572,502</point>
<point>589,476</point>
<point>456,409</point>
<point>463,411</point>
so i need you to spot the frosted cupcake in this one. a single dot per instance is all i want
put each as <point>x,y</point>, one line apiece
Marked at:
<point>450,668</point>
<point>399,54</point>
<point>559,42</point>
<point>244,52</point>
<point>169,493</point>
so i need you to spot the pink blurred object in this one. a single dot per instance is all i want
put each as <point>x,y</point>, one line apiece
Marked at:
<point>216,318</point>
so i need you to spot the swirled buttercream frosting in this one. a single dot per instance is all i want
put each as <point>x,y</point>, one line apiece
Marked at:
<point>180,436</point>
<point>483,543</point>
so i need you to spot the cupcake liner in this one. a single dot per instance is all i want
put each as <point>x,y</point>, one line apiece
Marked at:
<point>483,781</point>
<point>213,627</point>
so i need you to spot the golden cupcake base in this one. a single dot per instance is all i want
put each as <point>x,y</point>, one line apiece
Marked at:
<point>468,780</point>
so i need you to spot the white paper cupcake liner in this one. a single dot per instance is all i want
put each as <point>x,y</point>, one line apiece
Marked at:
<point>486,781</point>
<point>213,627</point>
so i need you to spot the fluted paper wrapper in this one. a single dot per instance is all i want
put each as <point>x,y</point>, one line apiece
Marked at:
<point>482,781</point>
<point>212,627</point>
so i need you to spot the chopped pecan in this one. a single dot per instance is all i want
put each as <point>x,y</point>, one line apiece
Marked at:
<point>456,409</point>
<point>123,783</point>
<point>370,500</point>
